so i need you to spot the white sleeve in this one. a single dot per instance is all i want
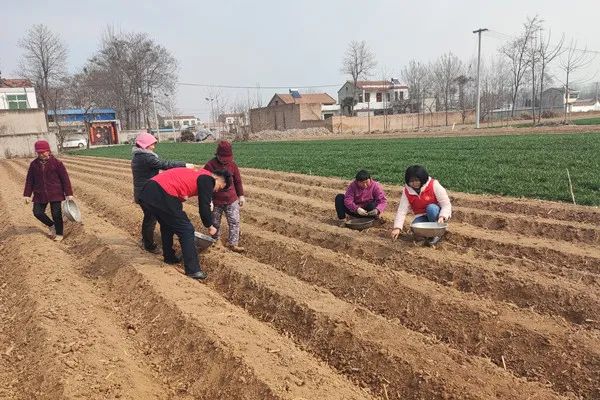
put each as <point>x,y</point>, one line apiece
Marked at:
<point>403,209</point>
<point>443,200</point>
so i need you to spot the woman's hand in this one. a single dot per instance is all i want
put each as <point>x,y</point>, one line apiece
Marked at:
<point>396,233</point>
<point>212,231</point>
<point>442,220</point>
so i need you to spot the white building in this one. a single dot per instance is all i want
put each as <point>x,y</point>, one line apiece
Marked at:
<point>180,122</point>
<point>581,105</point>
<point>17,94</point>
<point>373,96</point>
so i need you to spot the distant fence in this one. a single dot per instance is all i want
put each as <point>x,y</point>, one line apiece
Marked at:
<point>384,123</point>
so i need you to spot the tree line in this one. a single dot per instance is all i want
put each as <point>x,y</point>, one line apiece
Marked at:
<point>129,72</point>
<point>514,79</point>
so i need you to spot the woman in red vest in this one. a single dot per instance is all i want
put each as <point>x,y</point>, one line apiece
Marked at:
<point>425,197</point>
<point>163,195</point>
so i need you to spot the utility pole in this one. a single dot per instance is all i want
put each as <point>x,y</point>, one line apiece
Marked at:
<point>212,111</point>
<point>156,117</point>
<point>478,111</point>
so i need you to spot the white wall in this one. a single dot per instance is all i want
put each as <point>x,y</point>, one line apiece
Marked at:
<point>31,98</point>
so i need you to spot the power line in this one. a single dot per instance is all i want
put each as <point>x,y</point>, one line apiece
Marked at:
<point>503,36</point>
<point>255,86</point>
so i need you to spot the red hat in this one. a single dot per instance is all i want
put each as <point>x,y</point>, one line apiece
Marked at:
<point>41,146</point>
<point>224,151</point>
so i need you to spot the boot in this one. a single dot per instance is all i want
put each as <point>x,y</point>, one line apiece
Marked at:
<point>200,275</point>
<point>174,260</point>
<point>152,249</point>
<point>51,231</point>
<point>236,248</point>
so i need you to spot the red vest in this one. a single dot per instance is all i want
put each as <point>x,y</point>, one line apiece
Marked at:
<point>418,202</point>
<point>180,182</point>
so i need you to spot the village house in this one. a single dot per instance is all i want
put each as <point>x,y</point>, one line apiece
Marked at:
<point>17,94</point>
<point>22,122</point>
<point>180,122</point>
<point>372,97</point>
<point>291,111</point>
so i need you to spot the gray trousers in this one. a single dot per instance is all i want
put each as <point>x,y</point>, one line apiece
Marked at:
<point>232,214</point>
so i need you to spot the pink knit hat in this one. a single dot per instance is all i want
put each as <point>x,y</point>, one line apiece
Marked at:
<point>144,140</point>
<point>41,146</point>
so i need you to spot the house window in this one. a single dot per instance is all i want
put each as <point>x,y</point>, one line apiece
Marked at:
<point>379,97</point>
<point>396,96</point>
<point>388,96</point>
<point>17,101</point>
<point>360,98</point>
<point>401,95</point>
<point>367,97</point>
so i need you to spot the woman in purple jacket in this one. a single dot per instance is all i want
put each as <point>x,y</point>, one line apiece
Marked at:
<point>364,198</point>
<point>49,182</point>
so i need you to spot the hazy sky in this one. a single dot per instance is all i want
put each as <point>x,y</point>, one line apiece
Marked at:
<point>289,43</point>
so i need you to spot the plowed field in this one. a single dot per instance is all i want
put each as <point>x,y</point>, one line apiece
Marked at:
<point>506,307</point>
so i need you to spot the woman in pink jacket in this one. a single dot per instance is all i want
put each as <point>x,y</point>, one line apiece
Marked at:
<point>425,197</point>
<point>363,198</point>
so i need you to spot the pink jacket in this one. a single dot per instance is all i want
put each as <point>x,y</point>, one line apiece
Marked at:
<point>356,197</point>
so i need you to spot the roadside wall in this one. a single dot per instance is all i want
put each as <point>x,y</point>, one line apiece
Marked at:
<point>19,129</point>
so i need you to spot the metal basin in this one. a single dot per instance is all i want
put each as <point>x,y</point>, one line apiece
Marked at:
<point>71,211</point>
<point>429,229</point>
<point>360,223</point>
<point>203,241</point>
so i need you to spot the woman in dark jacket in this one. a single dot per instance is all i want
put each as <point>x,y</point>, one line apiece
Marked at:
<point>48,181</point>
<point>145,164</point>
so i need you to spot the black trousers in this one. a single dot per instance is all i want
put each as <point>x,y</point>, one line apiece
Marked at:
<point>341,210</point>
<point>148,225</point>
<point>39,211</point>
<point>168,210</point>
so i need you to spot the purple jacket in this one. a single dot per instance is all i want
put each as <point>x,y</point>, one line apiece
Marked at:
<point>235,190</point>
<point>356,197</point>
<point>47,181</point>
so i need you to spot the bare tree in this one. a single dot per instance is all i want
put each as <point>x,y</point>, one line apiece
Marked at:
<point>516,52</point>
<point>82,93</point>
<point>573,60</point>
<point>445,72</point>
<point>416,76</point>
<point>57,96</point>
<point>127,71</point>
<point>43,61</point>
<point>358,62</point>
<point>547,54</point>
<point>495,78</point>
<point>465,97</point>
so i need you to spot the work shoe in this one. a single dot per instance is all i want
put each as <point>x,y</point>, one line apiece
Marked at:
<point>236,248</point>
<point>58,238</point>
<point>173,260</point>
<point>200,275</point>
<point>434,240</point>
<point>51,231</point>
<point>152,249</point>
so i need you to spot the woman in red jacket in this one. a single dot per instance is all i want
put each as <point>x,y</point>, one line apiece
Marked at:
<point>49,182</point>
<point>228,201</point>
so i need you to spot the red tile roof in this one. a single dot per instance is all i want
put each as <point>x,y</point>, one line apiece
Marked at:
<point>15,83</point>
<point>308,98</point>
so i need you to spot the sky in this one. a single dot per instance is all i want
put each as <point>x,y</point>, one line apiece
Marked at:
<point>290,44</point>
